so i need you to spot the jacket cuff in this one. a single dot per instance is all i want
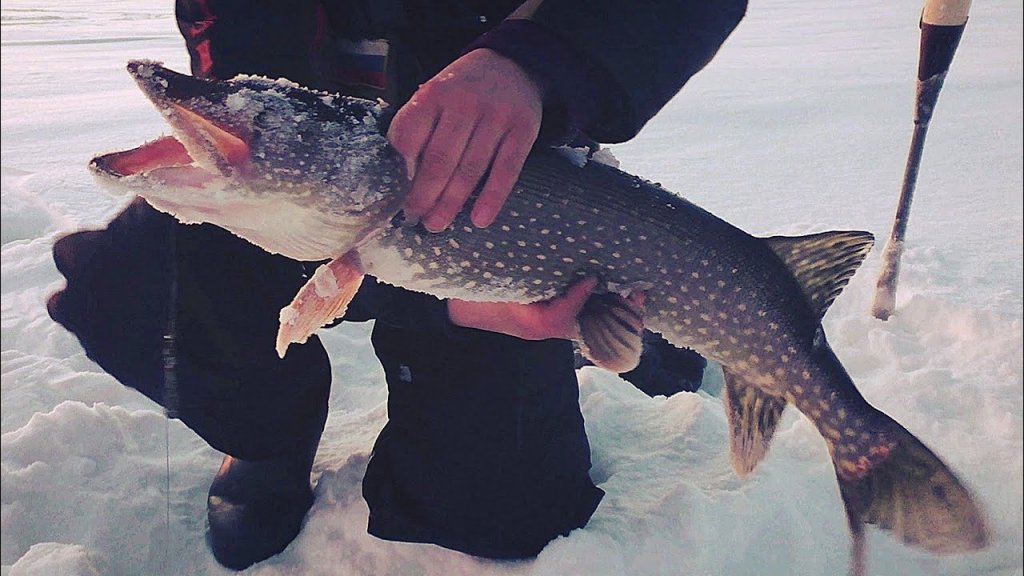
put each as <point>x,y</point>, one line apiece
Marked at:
<point>571,85</point>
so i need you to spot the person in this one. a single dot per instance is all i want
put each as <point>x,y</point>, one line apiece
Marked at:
<point>484,450</point>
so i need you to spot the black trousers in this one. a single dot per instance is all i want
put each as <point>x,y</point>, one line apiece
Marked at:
<point>484,451</point>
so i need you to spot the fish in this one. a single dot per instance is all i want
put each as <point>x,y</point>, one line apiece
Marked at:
<point>310,175</point>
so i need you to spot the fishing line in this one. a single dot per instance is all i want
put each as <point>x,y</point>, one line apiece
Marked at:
<point>170,392</point>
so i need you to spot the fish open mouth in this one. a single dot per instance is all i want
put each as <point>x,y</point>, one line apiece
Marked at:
<point>201,148</point>
<point>164,159</point>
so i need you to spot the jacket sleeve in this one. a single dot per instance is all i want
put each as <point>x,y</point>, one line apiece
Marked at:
<point>611,66</point>
<point>230,37</point>
<point>397,307</point>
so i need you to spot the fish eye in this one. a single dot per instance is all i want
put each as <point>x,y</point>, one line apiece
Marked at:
<point>262,121</point>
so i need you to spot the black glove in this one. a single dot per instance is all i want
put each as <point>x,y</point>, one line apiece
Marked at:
<point>118,293</point>
<point>229,385</point>
<point>664,369</point>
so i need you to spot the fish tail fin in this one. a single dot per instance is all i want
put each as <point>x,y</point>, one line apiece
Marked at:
<point>913,494</point>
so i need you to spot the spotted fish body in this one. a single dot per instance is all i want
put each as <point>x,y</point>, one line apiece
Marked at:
<point>709,285</point>
<point>309,175</point>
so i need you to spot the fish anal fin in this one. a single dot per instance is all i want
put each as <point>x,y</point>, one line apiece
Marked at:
<point>913,494</point>
<point>322,299</point>
<point>611,332</point>
<point>753,416</point>
<point>823,263</point>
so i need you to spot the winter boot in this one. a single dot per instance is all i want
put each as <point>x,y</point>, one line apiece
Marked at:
<point>256,508</point>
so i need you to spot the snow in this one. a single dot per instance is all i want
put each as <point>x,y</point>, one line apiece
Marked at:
<point>800,124</point>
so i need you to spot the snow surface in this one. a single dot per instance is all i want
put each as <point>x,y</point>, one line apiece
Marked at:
<point>800,124</point>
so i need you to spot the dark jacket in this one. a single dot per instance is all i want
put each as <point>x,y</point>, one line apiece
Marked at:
<point>608,66</point>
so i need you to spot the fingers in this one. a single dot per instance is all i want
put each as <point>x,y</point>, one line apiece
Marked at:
<point>562,312</point>
<point>554,318</point>
<point>56,308</point>
<point>437,158</point>
<point>73,252</point>
<point>409,132</point>
<point>508,163</point>
<point>73,256</point>
<point>473,166</point>
<point>569,304</point>
<point>453,163</point>
<point>637,300</point>
<point>474,122</point>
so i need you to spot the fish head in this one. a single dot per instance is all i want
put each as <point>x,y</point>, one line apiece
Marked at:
<point>296,171</point>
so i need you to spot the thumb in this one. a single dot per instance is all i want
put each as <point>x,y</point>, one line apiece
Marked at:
<point>565,309</point>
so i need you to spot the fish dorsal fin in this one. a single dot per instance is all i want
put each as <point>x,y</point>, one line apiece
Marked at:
<point>823,263</point>
<point>753,416</point>
<point>322,299</point>
<point>611,332</point>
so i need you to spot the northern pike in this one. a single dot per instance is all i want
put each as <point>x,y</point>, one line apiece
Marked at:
<point>309,175</point>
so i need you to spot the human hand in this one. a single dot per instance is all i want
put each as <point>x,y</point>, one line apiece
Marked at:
<point>555,318</point>
<point>474,122</point>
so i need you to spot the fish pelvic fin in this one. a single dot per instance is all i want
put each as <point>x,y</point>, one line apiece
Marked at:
<point>753,416</point>
<point>913,494</point>
<point>322,299</point>
<point>611,332</point>
<point>823,263</point>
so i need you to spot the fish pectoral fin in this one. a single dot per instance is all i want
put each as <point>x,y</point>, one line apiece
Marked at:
<point>611,332</point>
<point>322,299</point>
<point>823,263</point>
<point>913,494</point>
<point>753,416</point>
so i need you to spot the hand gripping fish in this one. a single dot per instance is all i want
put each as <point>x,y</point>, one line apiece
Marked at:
<point>309,175</point>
